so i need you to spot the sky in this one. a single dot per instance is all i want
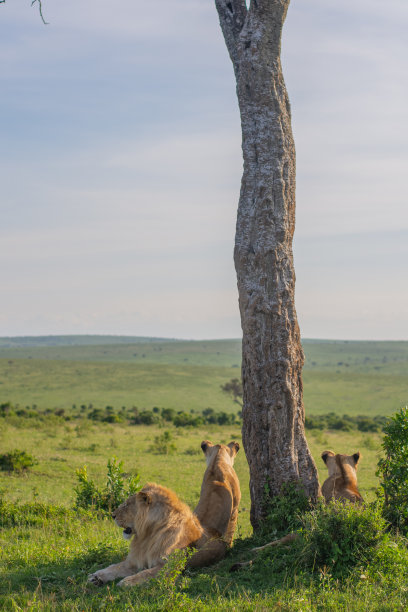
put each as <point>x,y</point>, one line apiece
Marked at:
<point>121,164</point>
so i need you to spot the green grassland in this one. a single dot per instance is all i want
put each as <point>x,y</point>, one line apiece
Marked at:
<point>44,566</point>
<point>62,448</point>
<point>344,377</point>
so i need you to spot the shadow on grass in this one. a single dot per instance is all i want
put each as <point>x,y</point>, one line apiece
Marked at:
<point>59,575</point>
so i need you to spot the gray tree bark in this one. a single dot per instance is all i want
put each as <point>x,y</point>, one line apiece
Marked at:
<point>272,355</point>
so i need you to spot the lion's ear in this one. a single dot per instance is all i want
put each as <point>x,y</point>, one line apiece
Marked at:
<point>356,457</point>
<point>145,497</point>
<point>234,446</point>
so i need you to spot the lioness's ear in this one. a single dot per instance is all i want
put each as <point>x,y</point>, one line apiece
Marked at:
<point>145,497</point>
<point>204,445</point>
<point>325,454</point>
<point>356,457</point>
<point>234,446</point>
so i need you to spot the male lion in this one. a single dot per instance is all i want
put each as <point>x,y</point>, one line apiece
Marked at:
<point>157,523</point>
<point>217,509</point>
<point>342,481</point>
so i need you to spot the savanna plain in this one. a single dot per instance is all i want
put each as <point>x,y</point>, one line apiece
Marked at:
<point>74,401</point>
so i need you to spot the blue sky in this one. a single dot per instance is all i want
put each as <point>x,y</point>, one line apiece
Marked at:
<point>121,166</point>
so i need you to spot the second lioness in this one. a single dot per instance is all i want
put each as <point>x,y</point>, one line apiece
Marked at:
<point>217,509</point>
<point>342,481</point>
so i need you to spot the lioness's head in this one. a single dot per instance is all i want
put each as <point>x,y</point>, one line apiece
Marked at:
<point>226,452</point>
<point>332,465</point>
<point>151,505</point>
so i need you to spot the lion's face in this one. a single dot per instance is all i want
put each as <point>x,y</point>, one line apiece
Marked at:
<point>131,513</point>
<point>152,506</point>
<point>227,452</point>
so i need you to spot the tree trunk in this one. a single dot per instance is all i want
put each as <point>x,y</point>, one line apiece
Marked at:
<point>272,356</point>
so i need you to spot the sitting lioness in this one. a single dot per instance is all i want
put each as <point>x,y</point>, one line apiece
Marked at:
<point>156,522</point>
<point>342,480</point>
<point>217,509</point>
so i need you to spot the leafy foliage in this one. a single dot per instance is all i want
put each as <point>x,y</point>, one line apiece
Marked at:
<point>331,420</point>
<point>393,471</point>
<point>284,511</point>
<point>338,537</point>
<point>16,461</point>
<point>163,444</point>
<point>167,589</point>
<point>117,489</point>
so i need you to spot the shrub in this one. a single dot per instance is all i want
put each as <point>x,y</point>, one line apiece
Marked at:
<point>16,461</point>
<point>168,414</point>
<point>6,409</point>
<point>183,419</point>
<point>338,537</point>
<point>167,589</point>
<point>393,471</point>
<point>283,511</point>
<point>95,415</point>
<point>117,489</point>
<point>146,417</point>
<point>163,444</point>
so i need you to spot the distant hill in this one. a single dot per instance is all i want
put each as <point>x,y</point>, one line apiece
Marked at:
<point>83,340</point>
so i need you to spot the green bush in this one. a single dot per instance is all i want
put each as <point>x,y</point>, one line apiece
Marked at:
<point>146,417</point>
<point>337,537</point>
<point>283,511</point>
<point>117,489</point>
<point>6,409</point>
<point>393,471</point>
<point>168,414</point>
<point>16,461</point>
<point>163,444</point>
<point>183,419</point>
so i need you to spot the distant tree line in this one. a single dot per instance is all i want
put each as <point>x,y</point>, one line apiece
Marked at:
<point>180,418</point>
<point>346,422</point>
<point>131,416</point>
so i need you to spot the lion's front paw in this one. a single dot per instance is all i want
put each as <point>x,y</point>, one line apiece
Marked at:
<point>96,579</point>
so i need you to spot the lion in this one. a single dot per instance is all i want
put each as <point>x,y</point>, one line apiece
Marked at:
<point>342,481</point>
<point>157,523</point>
<point>217,509</point>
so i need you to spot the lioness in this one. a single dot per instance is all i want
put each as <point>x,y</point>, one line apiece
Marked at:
<point>341,484</point>
<point>217,509</point>
<point>157,523</point>
<point>342,480</point>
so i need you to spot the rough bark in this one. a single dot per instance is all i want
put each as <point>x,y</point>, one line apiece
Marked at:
<point>272,356</point>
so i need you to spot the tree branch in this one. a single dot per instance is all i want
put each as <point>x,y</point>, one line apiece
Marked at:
<point>232,15</point>
<point>40,10</point>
